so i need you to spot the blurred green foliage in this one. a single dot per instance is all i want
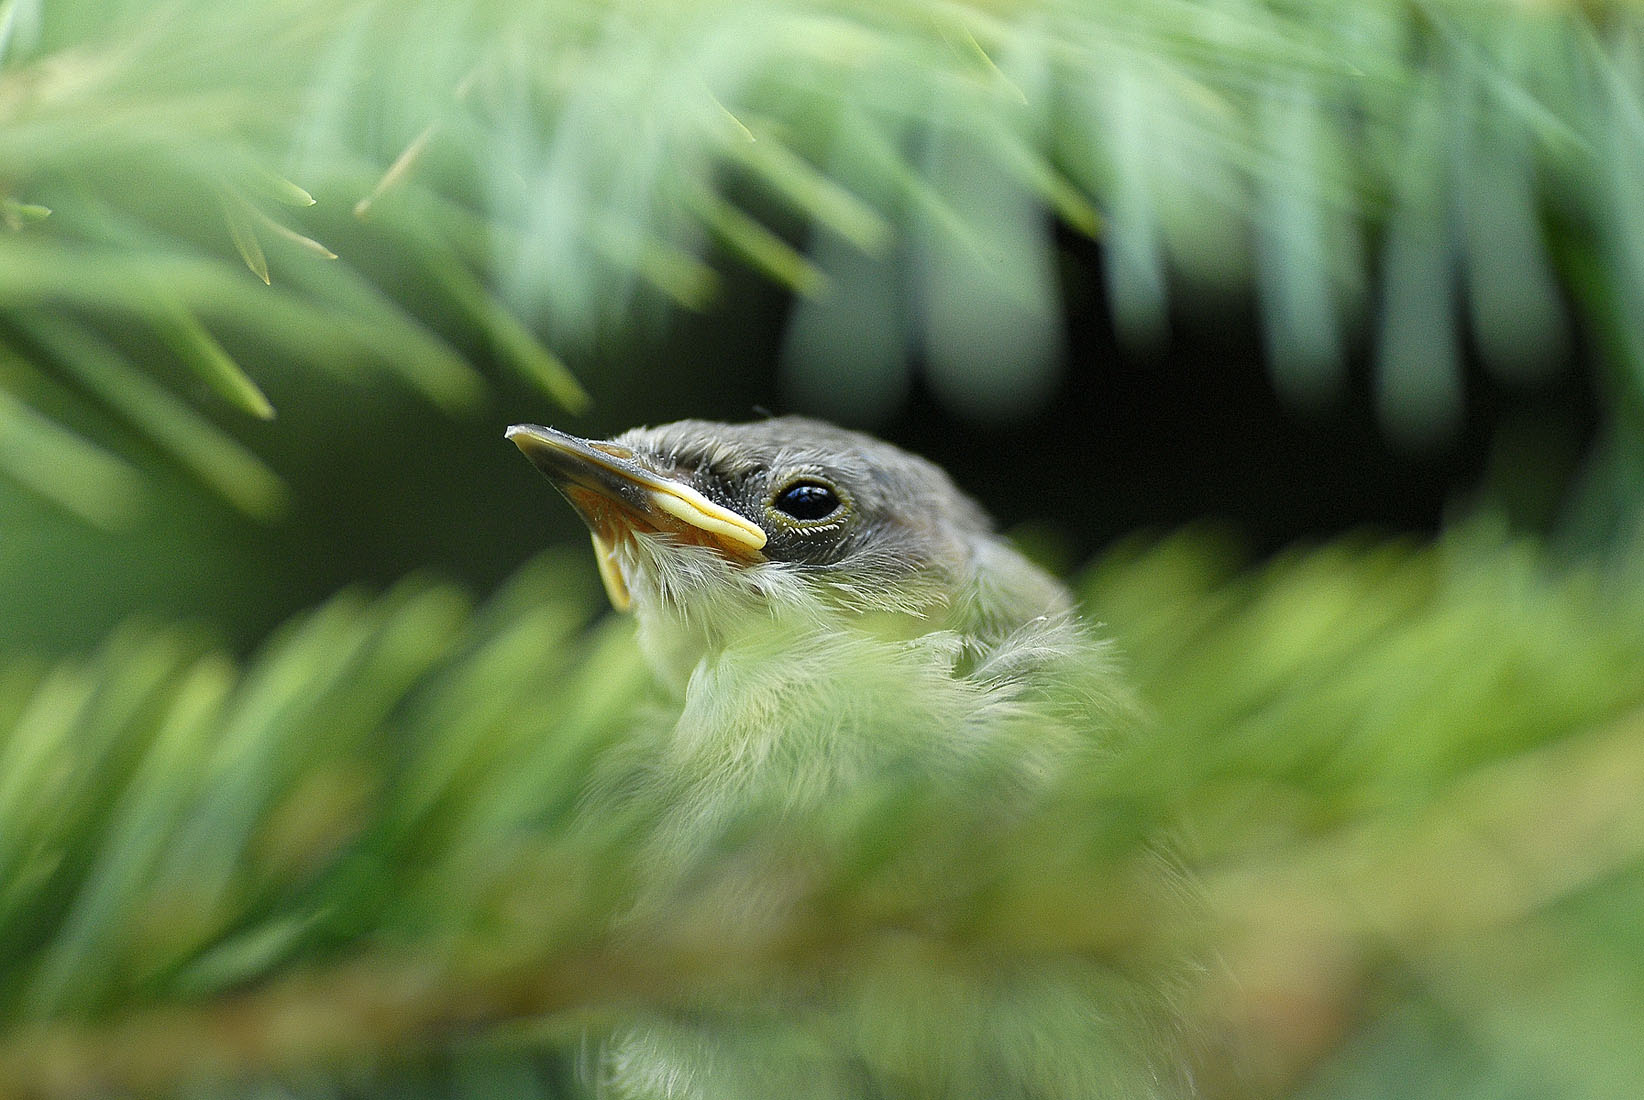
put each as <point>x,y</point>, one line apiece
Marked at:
<point>262,265</point>
<point>1401,786</point>
<point>414,180</point>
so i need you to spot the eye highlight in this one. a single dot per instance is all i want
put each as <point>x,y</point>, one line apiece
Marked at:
<point>807,500</point>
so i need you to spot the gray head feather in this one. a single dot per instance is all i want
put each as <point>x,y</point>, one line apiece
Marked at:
<point>903,541</point>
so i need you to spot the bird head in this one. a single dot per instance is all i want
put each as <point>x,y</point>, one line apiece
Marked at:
<point>699,526</point>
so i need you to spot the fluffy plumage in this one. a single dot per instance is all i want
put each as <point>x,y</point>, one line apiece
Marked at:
<point>890,635</point>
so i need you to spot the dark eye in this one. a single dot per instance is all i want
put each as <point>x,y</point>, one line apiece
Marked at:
<point>807,501</point>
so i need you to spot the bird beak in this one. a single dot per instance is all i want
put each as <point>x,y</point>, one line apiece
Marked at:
<point>616,495</point>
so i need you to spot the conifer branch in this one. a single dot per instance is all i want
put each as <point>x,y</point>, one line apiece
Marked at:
<point>1391,172</point>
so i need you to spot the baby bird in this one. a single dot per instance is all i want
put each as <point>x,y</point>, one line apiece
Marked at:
<point>696,524</point>
<point>829,610</point>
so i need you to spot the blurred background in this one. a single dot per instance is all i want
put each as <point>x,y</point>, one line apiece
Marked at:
<point>1351,290</point>
<point>1295,270</point>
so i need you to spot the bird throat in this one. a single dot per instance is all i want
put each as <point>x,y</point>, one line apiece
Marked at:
<point>610,521</point>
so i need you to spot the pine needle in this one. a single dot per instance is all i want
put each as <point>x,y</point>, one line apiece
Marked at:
<point>366,849</point>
